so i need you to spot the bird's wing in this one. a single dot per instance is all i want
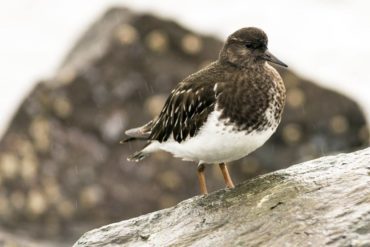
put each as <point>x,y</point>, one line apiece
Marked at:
<point>184,112</point>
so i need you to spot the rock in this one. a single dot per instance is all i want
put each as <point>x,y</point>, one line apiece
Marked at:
<point>62,169</point>
<point>323,202</point>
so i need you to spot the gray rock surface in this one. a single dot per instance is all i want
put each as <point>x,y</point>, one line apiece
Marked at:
<point>323,202</point>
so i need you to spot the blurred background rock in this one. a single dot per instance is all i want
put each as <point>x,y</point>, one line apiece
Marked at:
<point>62,170</point>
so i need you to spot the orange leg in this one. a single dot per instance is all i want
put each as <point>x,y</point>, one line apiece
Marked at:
<point>225,172</point>
<point>202,179</point>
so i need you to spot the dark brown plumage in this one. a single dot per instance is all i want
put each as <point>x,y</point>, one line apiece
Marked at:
<point>247,94</point>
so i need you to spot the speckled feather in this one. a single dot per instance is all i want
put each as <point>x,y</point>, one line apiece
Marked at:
<point>244,96</point>
<point>247,96</point>
<point>185,110</point>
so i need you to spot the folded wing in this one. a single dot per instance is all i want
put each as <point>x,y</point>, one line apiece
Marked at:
<point>184,112</point>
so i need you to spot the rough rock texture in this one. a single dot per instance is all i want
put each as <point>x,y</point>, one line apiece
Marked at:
<point>320,202</point>
<point>62,170</point>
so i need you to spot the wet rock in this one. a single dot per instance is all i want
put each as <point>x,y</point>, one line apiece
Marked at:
<point>62,169</point>
<point>324,202</point>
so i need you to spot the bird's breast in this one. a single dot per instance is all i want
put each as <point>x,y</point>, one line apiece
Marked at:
<point>252,104</point>
<point>218,141</point>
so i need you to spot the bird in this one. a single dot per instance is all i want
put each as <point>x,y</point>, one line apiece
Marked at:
<point>221,113</point>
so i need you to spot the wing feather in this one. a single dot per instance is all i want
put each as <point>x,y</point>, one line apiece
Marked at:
<point>184,113</point>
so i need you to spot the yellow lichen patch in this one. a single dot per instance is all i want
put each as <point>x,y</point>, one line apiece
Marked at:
<point>28,160</point>
<point>36,203</point>
<point>154,104</point>
<point>66,76</point>
<point>250,166</point>
<point>18,200</point>
<point>157,41</point>
<point>167,200</point>
<point>191,44</point>
<point>169,179</point>
<point>295,97</point>
<point>40,132</point>
<point>66,209</point>
<point>126,34</point>
<point>338,124</point>
<point>62,107</point>
<point>29,168</point>
<point>9,166</point>
<point>91,196</point>
<point>292,133</point>
<point>51,189</point>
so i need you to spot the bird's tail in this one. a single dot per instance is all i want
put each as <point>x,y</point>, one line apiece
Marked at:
<point>142,154</point>
<point>137,156</point>
<point>139,133</point>
<point>128,140</point>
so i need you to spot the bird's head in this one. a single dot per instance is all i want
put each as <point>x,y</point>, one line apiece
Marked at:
<point>247,47</point>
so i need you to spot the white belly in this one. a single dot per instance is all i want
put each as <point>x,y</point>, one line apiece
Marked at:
<point>215,143</point>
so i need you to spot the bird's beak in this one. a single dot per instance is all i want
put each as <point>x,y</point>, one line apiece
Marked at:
<point>271,58</point>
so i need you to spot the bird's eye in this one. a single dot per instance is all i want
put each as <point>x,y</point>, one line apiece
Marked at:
<point>249,45</point>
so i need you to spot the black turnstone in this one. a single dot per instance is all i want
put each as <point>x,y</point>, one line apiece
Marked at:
<point>222,112</point>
